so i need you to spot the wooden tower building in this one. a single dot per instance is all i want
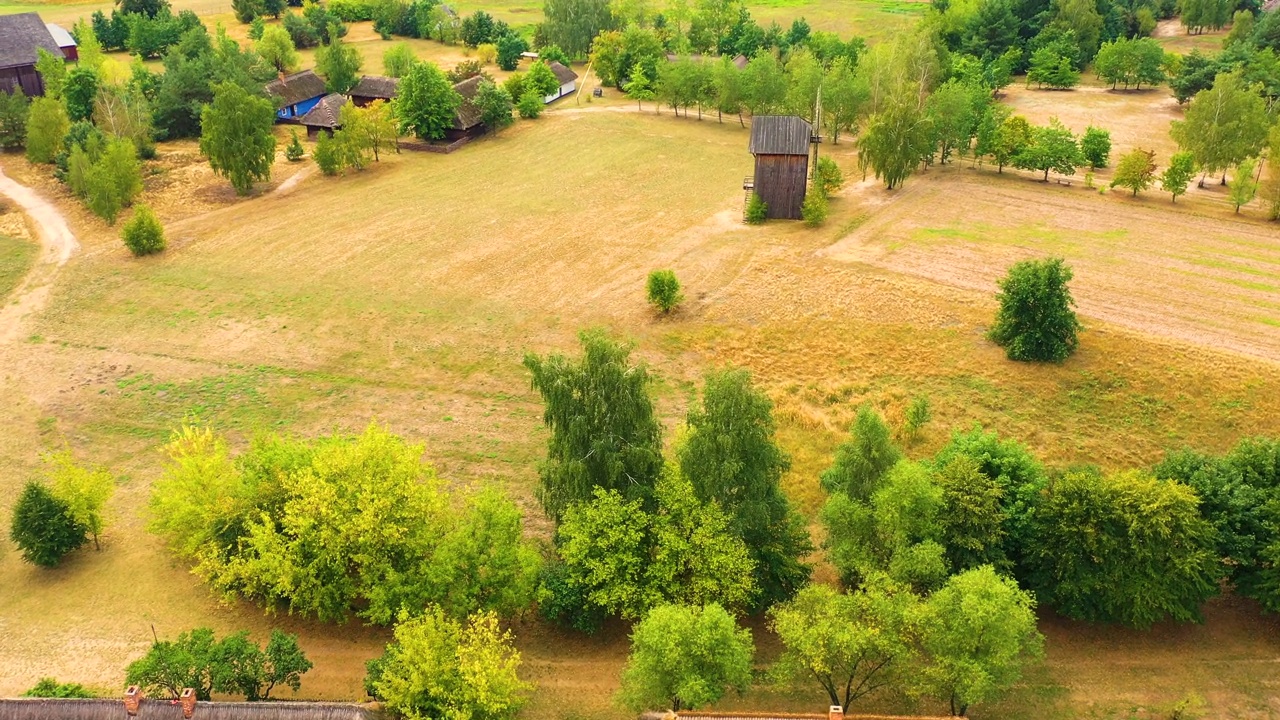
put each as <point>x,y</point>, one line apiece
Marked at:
<point>780,144</point>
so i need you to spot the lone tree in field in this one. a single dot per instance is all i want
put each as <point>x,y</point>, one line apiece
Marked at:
<point>1035,321</point>
<point>44,528</point>
<point>683,657</point>
<point>425,102</point>
<point>1136,171</point>
<point>664,291</point>
<point>603,430</point>
<point>237,137</point>
<point>143,234</point>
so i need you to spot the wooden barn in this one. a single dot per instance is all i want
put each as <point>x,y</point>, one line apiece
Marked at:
<point>296,94</point>
<point>20,36</point>
<point>326,116</point>
<point>467,122</point>
<point>374,87</point>
<point>780,144</point>
<point>66,43</point>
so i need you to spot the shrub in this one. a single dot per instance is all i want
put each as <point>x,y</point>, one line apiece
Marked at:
<point>530,105</point>
<point>1035,321</point>
<point>50,688</point>
<point>294,151</point>
<point>814,211</point>
<point>43,527</point>
<point>143,234</point>
<point>487,53</point>
<point>664,291</point>
<point>828,177</point>
<point>757,210</point>
<point>327,154</point>
<point>13,118</point>
<point>47,123</point>
<point>918,415</point>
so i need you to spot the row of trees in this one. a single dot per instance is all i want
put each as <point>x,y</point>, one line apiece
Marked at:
<point>234,665</point>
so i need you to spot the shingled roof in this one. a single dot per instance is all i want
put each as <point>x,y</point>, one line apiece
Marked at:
<point>468,115</point>
<point>327,113</point>
<point>20,36</point>
<point>780,135</point>
<point>562,73</point>
<point>150,709</point>
<point>295,88</point>
<point>376,86</point>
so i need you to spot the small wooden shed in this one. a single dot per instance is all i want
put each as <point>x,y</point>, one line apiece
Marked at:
<point>780,144</point>
<point>467,122</point>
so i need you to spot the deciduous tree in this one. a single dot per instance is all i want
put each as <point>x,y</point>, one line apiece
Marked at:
<point>338,63</point>
<point>862,461</point>
<point>237,136</point>
<point>1136,170</point>
<point>1176,177</point>
<point>1052,147</point>
<point>84,489</point>
<point>683,657</point>
<point>1223,125</point>
<point>276,47</point>
<point>574,24</point>
<point>1244,186</point>
<point>398,60</point>
<point>14,108</point>
<point>495,106</point>
<point>1095,146</point>
<point>1035,321</point>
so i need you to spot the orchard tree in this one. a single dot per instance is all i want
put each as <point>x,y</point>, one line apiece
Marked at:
<point>44,527</point>
<point>426,102</point>
<point>439,667</point>
<point>850,644</point>
<point>977,633</point>
<point>1035,321</point>
<point>1224,125</point>
<point>1124,548</point>
<point>1175,178</point>
<point>1136,170</point>
<point>276,47</point>
<point>683,657</point>
<point>604,433</point>
<point>732,457</point>
<point>236,136</point>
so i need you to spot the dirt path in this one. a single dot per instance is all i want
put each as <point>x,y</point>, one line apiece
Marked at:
<point>292,181</point>
<point>59,245</point>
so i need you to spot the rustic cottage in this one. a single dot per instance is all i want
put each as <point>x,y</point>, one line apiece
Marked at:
<point>568,81</point>
<point>780,144</point>
<point>20,36</point>
<point>296,94</point>
<point>467,122</point>
<point>326,116</point>
<point>374,87</point>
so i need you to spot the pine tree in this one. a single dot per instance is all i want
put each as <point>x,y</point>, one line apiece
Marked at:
<point>43,527</point>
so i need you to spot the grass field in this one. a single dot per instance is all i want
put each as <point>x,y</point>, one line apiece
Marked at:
<point>16,256</point>
<point>407,294</point>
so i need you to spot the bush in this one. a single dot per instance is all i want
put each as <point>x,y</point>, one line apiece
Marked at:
<point>143,234</point>
<point>487,53</point>
<point>1035,321</point>
<point>918,415</point>
<point>13,119</point>
<point>664,291</point>
<point>327,154</point>
<point>828,177</point>
<point>50,688</point>
<point>294,151</point>
<point>757,210</point>
<point>814,211</point>
<point>351,10</point>
<point>1095,146</point>
<point>43,527</point>
<point>530,105</point>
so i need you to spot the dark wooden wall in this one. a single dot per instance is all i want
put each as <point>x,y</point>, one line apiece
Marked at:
<point>24,76</point>
<point>781,181</point>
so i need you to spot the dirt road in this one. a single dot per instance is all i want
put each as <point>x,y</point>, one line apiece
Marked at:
<point>59,245</point>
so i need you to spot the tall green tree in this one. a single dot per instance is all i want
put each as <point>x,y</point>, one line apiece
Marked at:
<point>897,138</point>
<point>398,60</point>
<point>438,667</point>
<point>850,644</point>
<point>237,136</point>
<point>862,461</point>
<point>53,72</point>
<point>1244,186</point>
<point>1035,321</point>
<point>1176,177</point>
<point>1052,147</point>
<point>276,47</point>
<point>14,108</point>
<point>604,433</point>
<point>79,91</point>
<point>1095,146</point>
<point>47,124</point>
<point>731,456</point>
<point>44,527</point>
<point>1123,548</point>
<point>1136,170</point>
<point>426,102</point>
<point>1223,125</point>
<point>574,24</point>
<point>977,633</point>
<point>973,516</point>
<point>683,657</point>
<point>495,106</point>
<point>338,63</point>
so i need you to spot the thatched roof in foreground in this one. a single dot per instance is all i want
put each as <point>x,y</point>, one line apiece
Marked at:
<point>154,709</point>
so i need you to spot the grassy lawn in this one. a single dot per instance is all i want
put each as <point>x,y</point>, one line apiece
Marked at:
<point>408,294</point>
<point>16,257</point>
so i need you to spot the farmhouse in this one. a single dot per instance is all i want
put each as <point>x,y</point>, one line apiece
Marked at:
<point>466,120</point>
<point>326,116</point>
<point>296,94</point>
<point>780,144</point>
<point>66,43</point>
<point>160,709</point>
<point>568,81</point>
<point>20,36</point>
<point>374,87</point>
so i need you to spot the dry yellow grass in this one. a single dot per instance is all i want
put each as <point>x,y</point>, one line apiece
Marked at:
<point>408,293</point>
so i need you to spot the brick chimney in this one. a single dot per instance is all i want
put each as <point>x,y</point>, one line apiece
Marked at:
<point>188,698</point>
<point>132,700</point>
<point>835,713</point>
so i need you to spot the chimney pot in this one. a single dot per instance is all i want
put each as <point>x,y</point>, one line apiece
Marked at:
<point>132,700</point>
<point>188,699</point>
<point>835,713</point>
